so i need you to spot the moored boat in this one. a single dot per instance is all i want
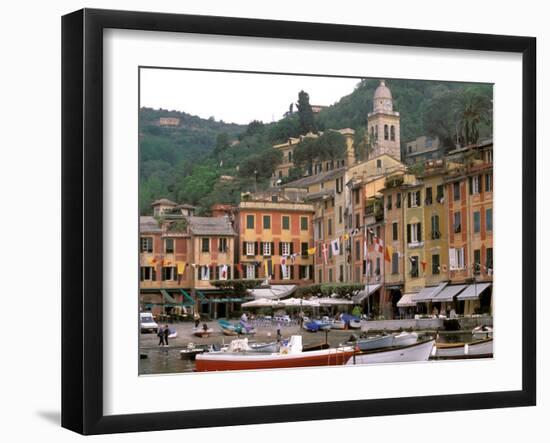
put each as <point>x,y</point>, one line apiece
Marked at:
<point>405,339</point>
<point>338,324</point>
<point>376,342</point>
<point>351,321</point>
<point>482,332</point>
<point>416,352</point>
<point>203,333</point>
<point>291,356</point>
<point>477,349</point>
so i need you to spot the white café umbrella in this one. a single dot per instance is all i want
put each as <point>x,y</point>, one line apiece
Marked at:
<point>261,303</point>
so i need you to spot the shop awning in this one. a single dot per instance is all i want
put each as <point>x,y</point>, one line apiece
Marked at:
<point>167,297</point>
<point>189,300</point>
<point>448,293</point>
<point>406,300</point>
<point>472,291</point>
<point>364,293</point>
<point>427,294</point>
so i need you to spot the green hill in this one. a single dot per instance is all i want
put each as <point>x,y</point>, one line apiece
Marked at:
<point>204,161</point>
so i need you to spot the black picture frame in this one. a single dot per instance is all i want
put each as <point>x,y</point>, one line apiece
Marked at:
<point>82,218</point>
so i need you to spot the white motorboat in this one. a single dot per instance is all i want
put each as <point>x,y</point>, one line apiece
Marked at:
<point>405,339</point>
<point>481,348</point>
<point>417,352</point>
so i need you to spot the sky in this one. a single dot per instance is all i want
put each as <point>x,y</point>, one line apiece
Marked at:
<point>236,97</point>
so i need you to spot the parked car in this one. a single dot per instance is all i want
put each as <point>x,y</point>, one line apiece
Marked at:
<point>147,322</point>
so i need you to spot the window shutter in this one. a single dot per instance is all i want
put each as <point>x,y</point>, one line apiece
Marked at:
<point>272,248</point>
<point>408,199</point>
<point>419,232</point>
<point>471,184</point>
<point>291,272</point>
<point>255,271</point>
<point>408,233</point>
<point>311,272</point>
<point>244,248</point>
<point>256,248</point>
<point>480,179</point>
<point>419,203</point>
<point>452,258</point>
<point>291,248</point>
<point>281,248</point>
<point>154,273</point>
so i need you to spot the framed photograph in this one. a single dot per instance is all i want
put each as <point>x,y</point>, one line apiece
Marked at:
<point>269,221</point>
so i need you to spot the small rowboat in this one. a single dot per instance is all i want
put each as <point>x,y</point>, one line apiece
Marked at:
<point>376,342</point>
<point>405,339</point>
<point>417,352</point>
<point>338,324</point>
<point>477,349</point>
<point>203,333</point>
<point>483,331</point>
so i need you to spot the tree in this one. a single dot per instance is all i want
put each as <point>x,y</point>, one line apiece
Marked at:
<point>305,113</point>
<point>472,110</point>
<point>363,143</point>
<point>222,143</point>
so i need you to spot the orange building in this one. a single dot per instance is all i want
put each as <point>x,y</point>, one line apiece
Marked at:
<point>276,237</point>
<point>165,279</point>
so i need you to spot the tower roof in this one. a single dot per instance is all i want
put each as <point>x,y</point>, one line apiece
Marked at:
<point>382,91</point>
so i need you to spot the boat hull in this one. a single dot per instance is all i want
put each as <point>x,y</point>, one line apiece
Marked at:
<point>237,361</point>
<point>202,333</point>
<point>416,352</point>
<point>479,348</point>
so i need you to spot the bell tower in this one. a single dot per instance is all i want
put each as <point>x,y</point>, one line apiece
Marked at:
<point>383,124</point>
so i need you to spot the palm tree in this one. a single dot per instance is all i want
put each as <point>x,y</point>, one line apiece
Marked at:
<point>471,110</point>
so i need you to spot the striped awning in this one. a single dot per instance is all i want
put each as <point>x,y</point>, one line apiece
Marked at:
<point>448,293</point>
<point>167,297</point>
<point>472,291</point>
<point>427,294</point>
<point>406,300</point>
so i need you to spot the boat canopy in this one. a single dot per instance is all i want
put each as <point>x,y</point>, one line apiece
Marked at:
<point>406,300</point>
<point>448,293</point>
<point>472,291</point>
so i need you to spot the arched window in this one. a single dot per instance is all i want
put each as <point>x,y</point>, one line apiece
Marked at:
<point>392,133</point>
<point>386,134</point>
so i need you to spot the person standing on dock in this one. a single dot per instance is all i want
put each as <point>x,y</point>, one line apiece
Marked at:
<point>160,335</point>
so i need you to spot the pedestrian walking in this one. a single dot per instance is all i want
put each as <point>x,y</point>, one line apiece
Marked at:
<point>197,318</point>
<point>160,334</point>
<point>166,334</point>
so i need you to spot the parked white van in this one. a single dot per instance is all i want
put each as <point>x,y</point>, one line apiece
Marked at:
<point>147,322</point>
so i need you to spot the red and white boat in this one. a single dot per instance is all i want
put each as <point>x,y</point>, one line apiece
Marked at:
<point>290,356</point>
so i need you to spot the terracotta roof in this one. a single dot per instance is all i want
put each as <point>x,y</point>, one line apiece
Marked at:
<point>148,224</point>
<point>210,226</point>
<point>163,201</point>
<point>315,178</point>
